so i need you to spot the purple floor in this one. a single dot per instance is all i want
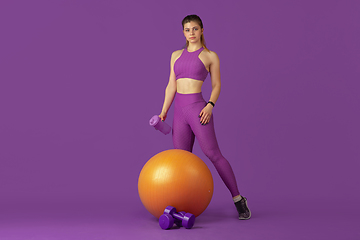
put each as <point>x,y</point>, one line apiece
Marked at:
<point>271,220</point>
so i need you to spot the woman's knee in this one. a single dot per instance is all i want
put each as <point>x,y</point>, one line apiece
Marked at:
<point>214,155</point>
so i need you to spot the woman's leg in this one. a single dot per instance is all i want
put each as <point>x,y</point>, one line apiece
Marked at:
<point>208,143</point>
<point>182,135</point>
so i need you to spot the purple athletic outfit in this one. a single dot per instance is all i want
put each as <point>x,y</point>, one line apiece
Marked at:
<point>186,124</point>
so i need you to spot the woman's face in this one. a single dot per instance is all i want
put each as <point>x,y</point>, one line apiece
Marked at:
<point>192,32</point>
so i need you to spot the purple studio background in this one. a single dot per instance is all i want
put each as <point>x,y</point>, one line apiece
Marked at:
<point>79,81</point>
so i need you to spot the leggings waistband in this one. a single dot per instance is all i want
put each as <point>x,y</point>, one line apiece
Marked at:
<point>186,99</point>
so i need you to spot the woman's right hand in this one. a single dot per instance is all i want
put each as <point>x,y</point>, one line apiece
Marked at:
<point>162,116</point>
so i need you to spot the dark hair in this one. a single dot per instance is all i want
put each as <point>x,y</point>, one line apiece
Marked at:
<point>194,18</point>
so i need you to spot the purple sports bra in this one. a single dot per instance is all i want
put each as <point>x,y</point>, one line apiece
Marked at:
<point>188,65</point>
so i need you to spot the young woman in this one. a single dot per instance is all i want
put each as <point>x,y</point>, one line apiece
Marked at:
<point>192,114</point>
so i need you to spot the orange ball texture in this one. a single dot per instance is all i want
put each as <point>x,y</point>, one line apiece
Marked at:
<point>175,178</point>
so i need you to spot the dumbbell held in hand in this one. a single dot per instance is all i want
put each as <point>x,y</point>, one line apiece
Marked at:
<point>170,216</point>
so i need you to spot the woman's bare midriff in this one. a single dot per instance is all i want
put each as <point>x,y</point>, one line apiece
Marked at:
<point>188,85</point>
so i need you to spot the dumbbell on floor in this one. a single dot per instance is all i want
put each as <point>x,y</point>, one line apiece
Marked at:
<point>179,222</point>
<point>170,216</point>
<point>176,221</point>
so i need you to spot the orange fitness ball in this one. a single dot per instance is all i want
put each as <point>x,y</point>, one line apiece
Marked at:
<point>175,178</point>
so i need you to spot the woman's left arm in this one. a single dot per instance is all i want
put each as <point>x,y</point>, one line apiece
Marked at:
<point>214,68</point>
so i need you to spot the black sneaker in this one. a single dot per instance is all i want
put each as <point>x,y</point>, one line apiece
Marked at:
<point>243,210</point>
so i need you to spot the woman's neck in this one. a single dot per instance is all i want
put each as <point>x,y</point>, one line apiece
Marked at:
<point>194,47</point>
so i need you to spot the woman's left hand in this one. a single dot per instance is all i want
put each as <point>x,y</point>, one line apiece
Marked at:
<point>205,114</point>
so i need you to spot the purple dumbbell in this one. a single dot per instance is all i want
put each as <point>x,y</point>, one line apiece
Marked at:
<point>179,222</point>
<point>163,127</point>
<point>166,221</point>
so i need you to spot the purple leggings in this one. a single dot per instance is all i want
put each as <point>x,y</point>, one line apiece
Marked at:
<point>186,126</point>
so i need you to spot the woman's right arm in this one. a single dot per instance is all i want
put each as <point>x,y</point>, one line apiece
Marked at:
<point>170,89</point>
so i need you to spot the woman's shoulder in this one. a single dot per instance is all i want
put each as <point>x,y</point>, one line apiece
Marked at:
<point>211,54</point>
<point>176,54</point>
